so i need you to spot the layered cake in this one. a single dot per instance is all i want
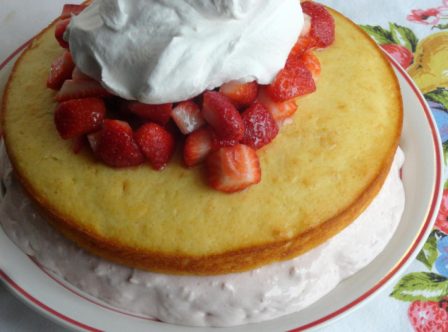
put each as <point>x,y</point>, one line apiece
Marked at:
<point>205,138</point>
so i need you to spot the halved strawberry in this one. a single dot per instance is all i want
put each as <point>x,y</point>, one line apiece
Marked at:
<point>116,146</point>
<point>156,143</point>
<point>72,9</point>
<point>61,70</point>
<point>306,25</point>
<point>302,45</point>
<point>188,117</point>
<point>260,126</point>
<point>279,110</point>
<point>293,81</point>
<point>222,116</point>
<point>312,63</point>
<point>160,114</point>
<point>77,117</point>
<point>78,75</point>
<point>197,146</point>
<point>61,26</point>
<point>322,30</point>
<point>72,89</point>
<point>232,169</point>
<point>240,94</point>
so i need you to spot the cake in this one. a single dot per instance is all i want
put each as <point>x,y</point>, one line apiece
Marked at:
<point>319,174</point>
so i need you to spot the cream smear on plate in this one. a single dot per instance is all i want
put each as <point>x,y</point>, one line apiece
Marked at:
<point>226,300</point>
<point>160,51</point>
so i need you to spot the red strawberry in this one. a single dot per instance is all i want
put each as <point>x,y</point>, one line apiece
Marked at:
<point>197,146</point>
<point>306,25</point>
<point>77,117</point>
<point>240,94</point>
<point>156,143</point>
<point>322,30</point>
<point>222,116</point>
<point>312,63</point>
<point>61,26</point>
<point>78,75</point>
<point>400,53</point>
<point>71,9</point>
<point>115,145</point>
<point>260,126</point>
<point>293,81</point>
<point>279,110</point>
<point>302,45</point>
<point>156,113</point>
<point>188,117</point>
<point>61,70</point>
<point>232,169</point>
<point>72,89</point>
<point>428,316</point>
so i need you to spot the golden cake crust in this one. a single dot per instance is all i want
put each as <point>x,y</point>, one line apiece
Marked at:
<point>318,175</point>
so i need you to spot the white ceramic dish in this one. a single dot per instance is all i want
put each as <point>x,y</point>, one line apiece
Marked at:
<point>422,177</point>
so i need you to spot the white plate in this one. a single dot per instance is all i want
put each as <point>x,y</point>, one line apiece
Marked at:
<point>422,177</point>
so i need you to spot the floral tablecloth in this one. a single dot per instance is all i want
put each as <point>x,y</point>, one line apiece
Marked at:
<point>416,34</point>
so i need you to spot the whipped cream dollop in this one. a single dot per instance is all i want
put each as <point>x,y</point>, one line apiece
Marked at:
<point>226,300</point>
<point>161,51</point>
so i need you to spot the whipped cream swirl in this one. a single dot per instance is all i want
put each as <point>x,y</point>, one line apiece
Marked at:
<point>160,51</point>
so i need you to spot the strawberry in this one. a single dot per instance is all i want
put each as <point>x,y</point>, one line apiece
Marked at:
<point>188,117</point>
<point>293,81</point>
<point>240,94</point>
<point>156,113</point>
<point>306,25</point>
<point>77,117</point>
<point>222,116</point>
<point>78,75</point>
<point>279,110</point>
<point>312,63</point>
<point>156,143</point>
<point>197,146</point>
<point>61,70</point>
<point>400,53</point>
<point>322,31</point>
<point>72,89</point>
<point>302,45</point>
<point>71,9</point>
<point>231,169</point>
<point>428,316</point>
<point>115,145</point>
<point>260,126</point>
<point>61,26</point>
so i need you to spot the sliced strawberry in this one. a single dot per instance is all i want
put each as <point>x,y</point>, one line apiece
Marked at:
<point>260,126</point>
<point>61,26</point>
<point>197,146</point>
<point>61,70</point>
<point>322,30</point>
<point>312,63</point>
<point>115,145</point>
<point>93,140</point>
<point>77,117</point>
<point>302,45</point>
<point>72,89</point>
<point>279,110</point>
<point>160,114</point>
<point>240,94</point>
<point>232,169</point>
<point>222,116</point>
<point>156,143</point>
<point>293,81</point>
<point>71,9</point>
<point>78,75</point>
<point>188,117</point>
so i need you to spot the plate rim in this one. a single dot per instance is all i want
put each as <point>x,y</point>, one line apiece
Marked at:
<point>432,211</point>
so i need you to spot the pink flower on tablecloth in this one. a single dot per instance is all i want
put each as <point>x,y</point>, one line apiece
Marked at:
<point>425,16</point>
<point>442,217</point>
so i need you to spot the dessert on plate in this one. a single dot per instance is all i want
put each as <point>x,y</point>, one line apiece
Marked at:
<point>203,138</point>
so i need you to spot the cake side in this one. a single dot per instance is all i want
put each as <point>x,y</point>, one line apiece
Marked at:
<point>319,175</point>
